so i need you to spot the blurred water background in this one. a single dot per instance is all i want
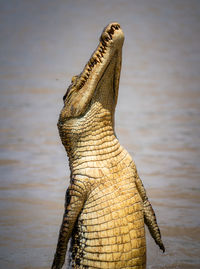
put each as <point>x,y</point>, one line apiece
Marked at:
<point>43,44</point>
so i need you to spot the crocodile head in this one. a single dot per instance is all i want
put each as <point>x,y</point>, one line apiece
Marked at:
<point>96,87</point>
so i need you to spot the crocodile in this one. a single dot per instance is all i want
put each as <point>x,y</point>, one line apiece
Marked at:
<point>106,206</point>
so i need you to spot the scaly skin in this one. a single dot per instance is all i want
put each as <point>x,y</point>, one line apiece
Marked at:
<point>106,204</point>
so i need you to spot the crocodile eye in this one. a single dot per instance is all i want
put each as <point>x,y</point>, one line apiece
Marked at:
<point>64,97</point>
<point>69,90</point>
<point>67,93</point>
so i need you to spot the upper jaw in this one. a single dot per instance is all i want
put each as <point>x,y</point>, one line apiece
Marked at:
<point>81,91</point>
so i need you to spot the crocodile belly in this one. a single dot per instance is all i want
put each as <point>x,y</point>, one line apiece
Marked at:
<point>110,231</point>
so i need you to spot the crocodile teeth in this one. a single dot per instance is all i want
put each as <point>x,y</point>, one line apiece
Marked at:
<point>110,35</point>
<point>105,38</point>
<point>112,30</point>
<point>105,35</point>
<point>103,42</point>
<point>100,49</point>
<point>99,56</point>
<point>91,62</point>
<point>91,65</point>
<point>96,60</point>
<point>82,79</point>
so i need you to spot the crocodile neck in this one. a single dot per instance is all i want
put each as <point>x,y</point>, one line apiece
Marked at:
<point>97,146</point>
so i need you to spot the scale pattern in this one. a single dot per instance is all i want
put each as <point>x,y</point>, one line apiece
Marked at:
<point>106,204</point>
<point>110,229</point>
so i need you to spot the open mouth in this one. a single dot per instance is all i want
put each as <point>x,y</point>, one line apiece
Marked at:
<point>97,58</point>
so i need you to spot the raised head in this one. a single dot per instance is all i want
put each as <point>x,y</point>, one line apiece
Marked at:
<point>97,85</point>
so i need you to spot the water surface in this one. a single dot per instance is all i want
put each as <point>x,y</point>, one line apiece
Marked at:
<point>43,44</point>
